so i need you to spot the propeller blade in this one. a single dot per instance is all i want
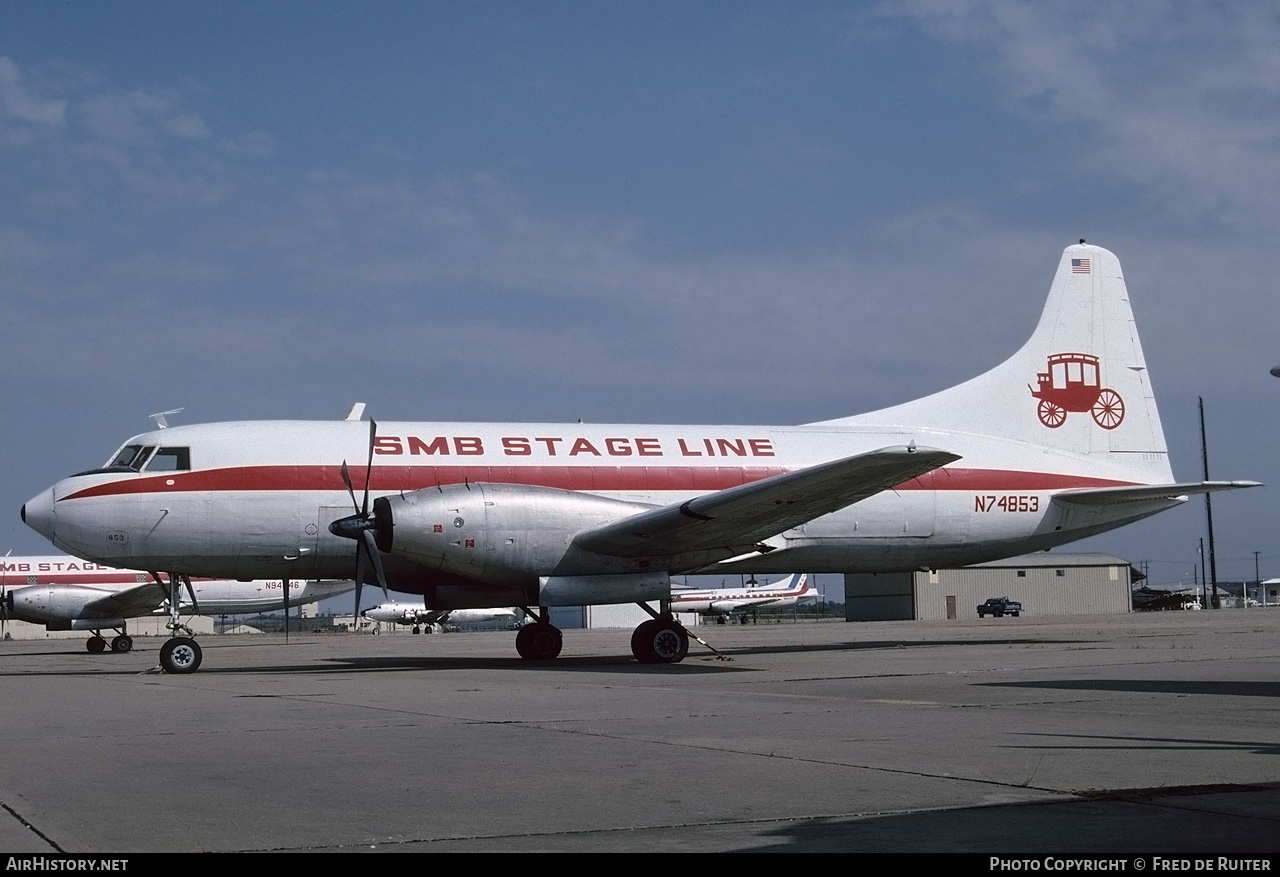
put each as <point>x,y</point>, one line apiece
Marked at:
<point>368,468</point>
<point>285,582</point>
<point>371,546</point>
<point>346,479</point>
<point>360,574</point>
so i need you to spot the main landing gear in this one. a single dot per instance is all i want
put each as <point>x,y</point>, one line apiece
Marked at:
<point>120,643</point>
<point>660,640</point>
<point>541,640</point>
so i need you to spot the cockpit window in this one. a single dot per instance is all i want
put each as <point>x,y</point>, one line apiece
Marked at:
<point>131,457</point>
<point>170,460</point>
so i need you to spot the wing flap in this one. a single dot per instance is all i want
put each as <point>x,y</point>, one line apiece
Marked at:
<point>740,517</point>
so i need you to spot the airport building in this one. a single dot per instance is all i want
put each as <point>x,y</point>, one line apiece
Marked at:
<point>1045,583</point>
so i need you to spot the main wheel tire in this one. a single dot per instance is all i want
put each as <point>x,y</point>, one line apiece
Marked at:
<point>659,642</point>
<point>539,642</point>
<point>180,655</point>
<point>670,643</point>
<point>642,642</point>
<point>96,645</point>
<point>122,644</point>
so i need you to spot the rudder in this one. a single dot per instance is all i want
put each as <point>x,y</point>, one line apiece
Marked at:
<point>1079,384</point>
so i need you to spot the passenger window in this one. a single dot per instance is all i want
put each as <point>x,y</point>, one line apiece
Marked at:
<point>171,460</point>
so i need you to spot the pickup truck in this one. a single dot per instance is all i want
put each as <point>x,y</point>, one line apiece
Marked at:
<point>999,606</point>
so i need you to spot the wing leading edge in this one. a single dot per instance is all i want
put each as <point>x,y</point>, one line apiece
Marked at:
<point>740,517</point>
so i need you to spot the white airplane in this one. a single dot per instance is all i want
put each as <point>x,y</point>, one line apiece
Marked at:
<point>417,614</point>
<point>724,603</point>
<point>66,593</point>
<point>1059,442</point>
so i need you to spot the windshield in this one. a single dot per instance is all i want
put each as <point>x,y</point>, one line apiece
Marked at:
<point>130,458</point>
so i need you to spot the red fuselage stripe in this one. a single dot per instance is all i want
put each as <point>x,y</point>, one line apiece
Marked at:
<point>587,478</point>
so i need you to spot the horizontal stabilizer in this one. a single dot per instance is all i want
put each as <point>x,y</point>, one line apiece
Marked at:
<point>742,516</point>
<point>1145,492</point>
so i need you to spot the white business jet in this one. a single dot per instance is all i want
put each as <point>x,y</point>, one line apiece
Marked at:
<point>418,615</point>
<point>1059,442</point>
<point>66,593</point>
<point>724,603</point>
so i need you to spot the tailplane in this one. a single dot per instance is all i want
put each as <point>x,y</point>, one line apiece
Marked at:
<point>1079,385</point>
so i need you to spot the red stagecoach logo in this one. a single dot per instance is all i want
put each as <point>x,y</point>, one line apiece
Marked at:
<point>1073,383</point>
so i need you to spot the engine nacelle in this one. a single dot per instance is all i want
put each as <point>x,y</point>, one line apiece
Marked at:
<point>55,607</point>
<point>617,588</point>
<point>506,534</point>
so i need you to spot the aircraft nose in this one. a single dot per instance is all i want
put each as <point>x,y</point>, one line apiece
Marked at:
<point>37,514</point>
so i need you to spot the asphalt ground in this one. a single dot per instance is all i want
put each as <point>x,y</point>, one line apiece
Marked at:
<point>1141,734</point>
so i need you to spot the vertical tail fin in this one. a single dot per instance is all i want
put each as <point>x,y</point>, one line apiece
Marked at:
<point>1079,385</point>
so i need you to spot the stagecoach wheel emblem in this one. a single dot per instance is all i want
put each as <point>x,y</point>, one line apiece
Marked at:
<point>1052,416</point>
<point>1073,384</point>
<point>1108,411</point>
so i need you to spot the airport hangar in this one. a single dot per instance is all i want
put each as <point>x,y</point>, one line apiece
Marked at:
<point>1045,583</point>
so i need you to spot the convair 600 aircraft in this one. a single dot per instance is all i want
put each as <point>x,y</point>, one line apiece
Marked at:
<point>725,603</point>
<point>1060,441</point>
<point>419,616</point>
<point>65,593</point>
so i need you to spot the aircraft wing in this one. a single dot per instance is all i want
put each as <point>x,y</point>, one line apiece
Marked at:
<point>128,603</point>
<point>1145,492</point>
<point>739,517</point>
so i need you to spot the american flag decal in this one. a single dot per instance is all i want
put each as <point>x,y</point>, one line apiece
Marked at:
<point>1080,266</point>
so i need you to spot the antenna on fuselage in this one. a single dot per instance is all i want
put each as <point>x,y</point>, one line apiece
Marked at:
<point>356,412</point>
<point>161,423</point>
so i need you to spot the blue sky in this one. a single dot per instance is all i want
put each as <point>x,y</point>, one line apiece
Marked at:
<point>634,212</point>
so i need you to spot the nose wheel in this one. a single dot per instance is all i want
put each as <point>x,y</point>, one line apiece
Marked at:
<point>180,655</point>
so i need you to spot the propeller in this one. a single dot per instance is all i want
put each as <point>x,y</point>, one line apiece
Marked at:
<point>361,526</point>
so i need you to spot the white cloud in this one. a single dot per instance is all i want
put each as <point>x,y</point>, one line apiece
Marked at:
<point>1180,98</point>
<point>18,102</point>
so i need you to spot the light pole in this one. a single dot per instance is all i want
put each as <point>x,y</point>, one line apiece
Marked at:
<point>1257,576</point>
